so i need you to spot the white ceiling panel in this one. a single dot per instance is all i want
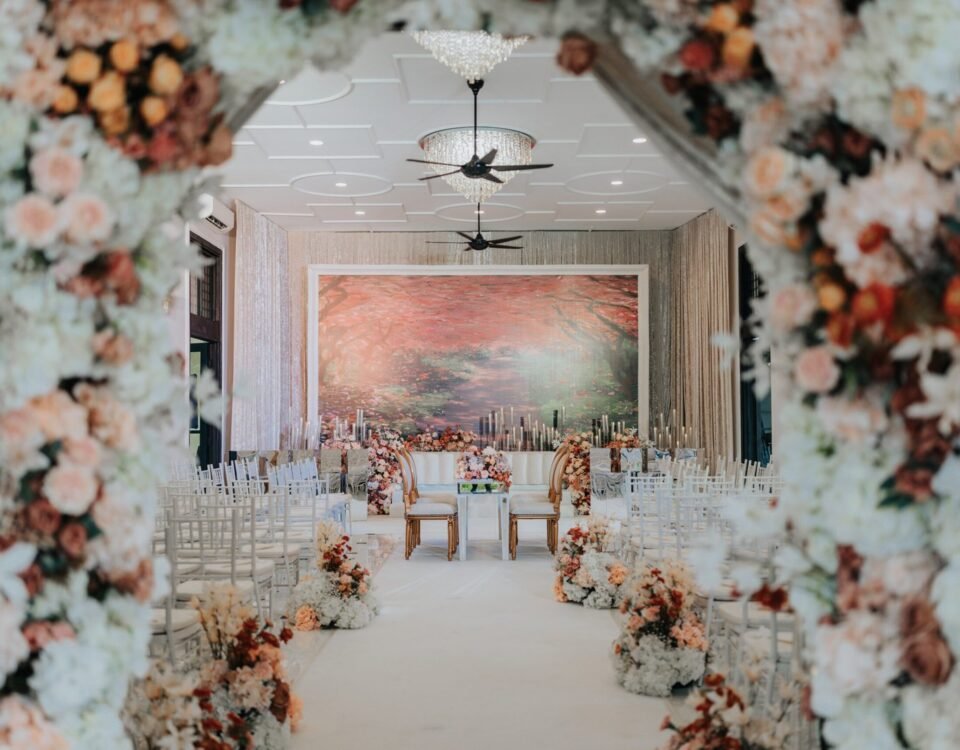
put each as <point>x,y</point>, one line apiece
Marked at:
<point>328,144</point>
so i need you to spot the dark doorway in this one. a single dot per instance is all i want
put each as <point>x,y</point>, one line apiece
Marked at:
<point>756,414</point>
<point>206,303</point>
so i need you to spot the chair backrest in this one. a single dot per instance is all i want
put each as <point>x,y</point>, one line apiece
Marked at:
<point>408,476</point>
<point>555,489</point>
<point>358,460</point>
<point>330,460</point>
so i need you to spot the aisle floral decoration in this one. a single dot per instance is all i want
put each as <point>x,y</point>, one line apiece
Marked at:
<point>384,469</point>
<point>662,642</point>
<point>486,463</point>
<point>588,571</point>
<point>436,442</point>
<point>339,594</point>
<point>243,688</point>
<point>576,473</point>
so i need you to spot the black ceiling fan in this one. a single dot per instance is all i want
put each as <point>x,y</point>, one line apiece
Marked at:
<point>478,168</point>
<point>482,243</point>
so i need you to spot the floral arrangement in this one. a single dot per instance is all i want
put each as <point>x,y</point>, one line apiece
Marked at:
<point>628,439</point>
<point>339,594</point>
<point>384,470</point>
<point>576,474</point>
<point>437,442</point>
<point>588,572</point>
<point>243,687</point>
<point>488,463</point>
<point>662,642</point>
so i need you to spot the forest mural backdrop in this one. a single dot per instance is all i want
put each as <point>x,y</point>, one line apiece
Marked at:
<point>437,351</point>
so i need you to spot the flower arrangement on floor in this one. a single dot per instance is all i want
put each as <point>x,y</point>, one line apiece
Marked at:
<point>384,470</point>
<point>243,689</point>
<point>588,572</point>
<point>662,642</point>
<point>436,442</point>
<point>487,463</point>
<point>576,474</point>
<point>339,594</point>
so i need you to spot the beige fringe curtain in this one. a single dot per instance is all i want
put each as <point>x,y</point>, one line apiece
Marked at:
<point>704,304</point>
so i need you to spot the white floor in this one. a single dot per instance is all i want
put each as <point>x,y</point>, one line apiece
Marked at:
<point>471,655</point>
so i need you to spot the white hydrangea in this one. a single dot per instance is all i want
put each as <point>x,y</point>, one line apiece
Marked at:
<point>862,724</point>
<point>19,20</point>
<point>651,667</point>
<point>14,129</point>
<point>930,719</point>
<point>320,593</point>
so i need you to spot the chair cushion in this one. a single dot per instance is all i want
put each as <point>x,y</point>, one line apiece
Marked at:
<point>422,508</point>
<point>180,619</point>
<point>198,586</point>
<point>529,497</point>
<point>532,508</point>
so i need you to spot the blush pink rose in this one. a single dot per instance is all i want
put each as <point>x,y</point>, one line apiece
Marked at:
<point>70,489</point>
<point>86,218</point>
<point>24,727</point>
<point>792,306</point>
<point>34,220</point>
<point>56,172</point>
<point>768,171</point>
<point>81,451</point>
<point>816,371</point>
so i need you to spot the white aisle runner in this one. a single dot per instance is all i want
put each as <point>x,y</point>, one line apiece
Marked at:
<point>472,655</point>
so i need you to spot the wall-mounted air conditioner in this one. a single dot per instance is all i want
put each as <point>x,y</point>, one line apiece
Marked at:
<point>216,213</point>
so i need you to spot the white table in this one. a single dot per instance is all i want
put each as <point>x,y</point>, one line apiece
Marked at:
<point>503,508</point>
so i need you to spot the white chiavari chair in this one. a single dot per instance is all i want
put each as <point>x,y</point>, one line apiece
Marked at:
<point>175,631</point>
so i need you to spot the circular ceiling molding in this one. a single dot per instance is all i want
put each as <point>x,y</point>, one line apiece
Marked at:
<point>312,87</point>
<point>341,184</point>
<point>466,213</point>
<point>634,182</point>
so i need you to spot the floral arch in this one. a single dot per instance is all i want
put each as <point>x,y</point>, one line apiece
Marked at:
<point>830,126</point>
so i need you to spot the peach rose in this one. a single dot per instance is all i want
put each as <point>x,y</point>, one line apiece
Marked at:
<point>124,55</point>
<point>59,416</point>
<point>83,66</point>
<point>936,147</point>
<point>71,489</point>
<point>107,93</point>
<point>792,306</point>
<point>115,121</point>
<point>33,219</point>
<point>86,218</point>
<point>816,371</point>
<point>154,110</point>
<point>738,48</point>
<point>121,277</point>
<point>166,76</point>
<point>909,108</point>
<point>65,101</point>
<point>112,348</point>
<point>81,451</point>
<point>55,172</point>
<point>768,171</point>
<point>306,619</point>
<point>40,633</point>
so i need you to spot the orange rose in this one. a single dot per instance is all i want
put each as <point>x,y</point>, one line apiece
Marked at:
<point>909,108</point>
<point>831,295</point>
<point>165,76</point>
<point>179,42</point>
<point>153,109</point>
<point>840,328</point>
<point>738,48</point>
<point>124,55</point>
<point>83,66</point>
<point>874,304</point>
<point>116,121</point>
<point>65,101</point>
<point>107,93</point>
<point>723,19</point>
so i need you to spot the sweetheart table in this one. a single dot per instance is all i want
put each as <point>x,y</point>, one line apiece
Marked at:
<point>483,488</point>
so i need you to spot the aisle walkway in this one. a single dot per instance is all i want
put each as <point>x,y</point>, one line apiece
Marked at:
<point>472,655</point>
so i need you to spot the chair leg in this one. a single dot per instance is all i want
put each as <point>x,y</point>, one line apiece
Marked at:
<point>409,547</point>
<point>514,537</point>
<point>449,539</point>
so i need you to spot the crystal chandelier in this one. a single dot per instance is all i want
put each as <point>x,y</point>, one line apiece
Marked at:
<point>455,146</point>
<point>471,54</point>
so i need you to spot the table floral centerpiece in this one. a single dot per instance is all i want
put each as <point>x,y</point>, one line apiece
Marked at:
<point>588,572</point>
<point>576,474</point>
<point>384,470</point>
<point>339,594</point>
<point>433,441</point>
<point>486,464</point>
<point>662,642</point>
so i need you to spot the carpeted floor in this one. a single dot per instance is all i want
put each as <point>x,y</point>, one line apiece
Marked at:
<point>471,655</point>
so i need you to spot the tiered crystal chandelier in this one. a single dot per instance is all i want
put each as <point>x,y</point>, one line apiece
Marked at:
<point>471,54</point>
<point>456,146</point>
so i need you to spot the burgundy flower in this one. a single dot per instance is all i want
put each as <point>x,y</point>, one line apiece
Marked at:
<point>698,55</point>
<point>41,516</point>
<point>577,54</point>
<point>342,5</point>
<point>915,481</point>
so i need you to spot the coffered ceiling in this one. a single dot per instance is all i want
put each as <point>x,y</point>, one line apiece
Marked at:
<point>327,151</point>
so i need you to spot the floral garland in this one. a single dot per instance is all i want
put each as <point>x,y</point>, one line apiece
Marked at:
<point>576,474</point>
<point>588,572</point>
<point>437,442</point>
<point>339,594</point>
<point>488,463</point>
<point>384,470</point>
<point>662,642</point>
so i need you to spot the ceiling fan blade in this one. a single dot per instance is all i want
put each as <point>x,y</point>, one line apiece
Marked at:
<point>466,236</point>
<point>489,156</point>
<point>435,242</point>
<point>435,176</point>
<point>520,167</point>
<point>507,239</point>
<point>438,163</point>
<point>491,178</point>
<point>505,247</point>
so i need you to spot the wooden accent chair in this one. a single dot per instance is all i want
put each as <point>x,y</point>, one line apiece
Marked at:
<point>540,506</point>
<point>418,508</point>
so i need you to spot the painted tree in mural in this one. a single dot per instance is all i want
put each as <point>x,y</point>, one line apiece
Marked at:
<point>440,350</point>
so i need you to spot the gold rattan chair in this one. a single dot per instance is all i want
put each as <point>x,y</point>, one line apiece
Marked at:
<point>418,508</point>
<point>539,506</point>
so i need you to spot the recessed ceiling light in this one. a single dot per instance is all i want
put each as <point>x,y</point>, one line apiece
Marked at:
<point>341,184</point>
<point>282,82</point>
<point>479,213</point>
<point>641,139</point>
<point>316,142</point>
<point>601,210</point>
<point>616,182</point>
<point>360,213</point>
